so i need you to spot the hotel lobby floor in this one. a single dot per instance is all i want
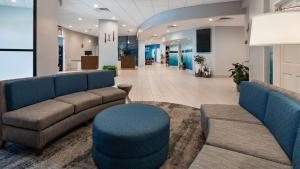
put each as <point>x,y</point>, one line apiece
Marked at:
<point>168,84</point>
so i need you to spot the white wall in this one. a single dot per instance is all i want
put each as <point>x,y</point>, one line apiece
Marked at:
<point>141,53</point>
<point>223,41</point>
<point>257,56</point>
<point>229,48</point>
<point>75,44</point>
<point>286,63</point>
<point>47,37</point>
<point>108,52</point>
<point>210,57</point>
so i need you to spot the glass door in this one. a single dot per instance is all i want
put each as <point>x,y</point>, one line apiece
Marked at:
<point>17,39</point>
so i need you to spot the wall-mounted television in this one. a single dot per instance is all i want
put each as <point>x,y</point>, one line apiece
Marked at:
<point>203,40</point>
<point>88,53</point>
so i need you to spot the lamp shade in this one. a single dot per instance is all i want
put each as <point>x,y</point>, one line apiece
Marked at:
<point>275,28</point>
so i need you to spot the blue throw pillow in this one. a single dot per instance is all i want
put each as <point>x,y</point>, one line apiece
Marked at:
<point>296,154</point>
<point>253,98</point>
<point>101,79</point>
<point>70,83</point>
<point>282,119</point>
<point>25,92</point>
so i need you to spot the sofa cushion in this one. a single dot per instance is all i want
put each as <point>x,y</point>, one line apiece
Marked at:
<point>251,139</point>
<point>282,119</point>
<point>296,154</point>
<point>109,94</point>
<point>24,92</point>
<point>81,100</point>
<point>38,116</point>
<point>211,157</point>
<point>253,98</point>
<point>70,83</point>
<point>100,79</point>
<point>225,112</point>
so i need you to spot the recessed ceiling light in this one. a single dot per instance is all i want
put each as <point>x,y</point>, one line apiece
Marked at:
<point>155,35</point>
<point>123,25</point>
<point>130,30</point>
<point>97,26</point>
<point>168,31</point>
<point>13,1</point>
<point>70,26</point>
<point>174,25</point>
<point>210,19</point>
<point>90,41</point>
<point>140,31</point>
<point>113,18</point>
<point>80,19</point>
<point>96,6</point>
<point>85,30</point>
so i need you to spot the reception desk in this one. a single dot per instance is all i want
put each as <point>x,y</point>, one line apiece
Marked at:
<point>128,62</point>
<point>89,62</point>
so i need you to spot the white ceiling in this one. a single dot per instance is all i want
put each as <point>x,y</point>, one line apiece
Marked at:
<point>157,33</point>
<point>17,3</point>
<point>132,13</point>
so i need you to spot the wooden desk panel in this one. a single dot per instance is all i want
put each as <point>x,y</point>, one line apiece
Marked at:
<point>89,62</point>
<point>128,62</point>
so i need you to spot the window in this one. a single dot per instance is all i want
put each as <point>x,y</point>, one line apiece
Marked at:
<point>17,39</point>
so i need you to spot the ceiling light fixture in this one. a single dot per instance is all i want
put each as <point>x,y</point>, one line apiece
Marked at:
<point>97,26</point>
<point>85,30</point>
<point>113,18</point>
<point>123,25</point>
<point>96,6</point>
<point>14,1</point>
<point>80,19</point>
<point>140,31</point>
<point>70,26</point>
<point>90,41</point>
<point>168,31</point>
<point>210,19</point>
<point>130,30</point>
<point>174,25</point>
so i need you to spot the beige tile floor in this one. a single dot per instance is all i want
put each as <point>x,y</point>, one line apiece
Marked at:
<point>168,84</point>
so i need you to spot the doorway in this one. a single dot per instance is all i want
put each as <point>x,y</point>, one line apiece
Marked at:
<point>60,59</point>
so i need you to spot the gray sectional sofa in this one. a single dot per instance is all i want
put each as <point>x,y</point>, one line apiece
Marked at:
<point>262,132</point>
<point>35,111</point>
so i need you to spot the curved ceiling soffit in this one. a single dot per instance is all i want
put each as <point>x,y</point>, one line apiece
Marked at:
<point>193,12</point>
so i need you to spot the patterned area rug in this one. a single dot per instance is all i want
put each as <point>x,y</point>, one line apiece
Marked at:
<point>73,151</point>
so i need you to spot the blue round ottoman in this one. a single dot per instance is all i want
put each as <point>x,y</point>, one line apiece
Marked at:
<point>131,136</point>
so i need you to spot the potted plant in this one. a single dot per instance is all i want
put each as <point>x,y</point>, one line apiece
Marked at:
<point>239,73</point>
<point>112,68</point>
<point>199,63</point>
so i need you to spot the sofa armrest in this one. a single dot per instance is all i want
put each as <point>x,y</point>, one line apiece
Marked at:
<point>2,106</point>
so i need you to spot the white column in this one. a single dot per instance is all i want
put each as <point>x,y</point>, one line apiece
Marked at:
<point>141,53</point>
<point>108,42</point>
<point>46,38</point>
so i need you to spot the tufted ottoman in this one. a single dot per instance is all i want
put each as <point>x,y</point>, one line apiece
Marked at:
<point>131,136</point>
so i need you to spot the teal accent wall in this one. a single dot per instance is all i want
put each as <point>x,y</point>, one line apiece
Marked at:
<point>187,53</point>
<point>173,60</point>
<point>149,49</point>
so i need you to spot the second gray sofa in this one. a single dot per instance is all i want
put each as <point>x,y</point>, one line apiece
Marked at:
<point>262,132</point>
<point>35,111</point>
